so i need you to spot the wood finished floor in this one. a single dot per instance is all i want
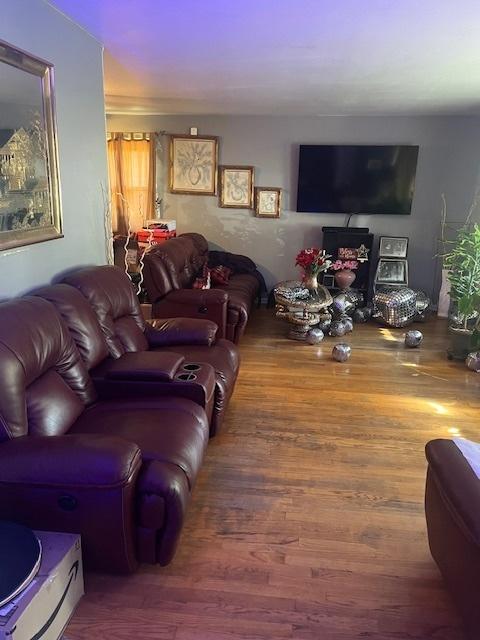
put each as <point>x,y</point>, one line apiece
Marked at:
<point>307,521</point>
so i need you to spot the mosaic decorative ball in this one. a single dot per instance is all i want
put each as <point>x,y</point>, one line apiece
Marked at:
<point>337,328</point>
<point>362,315</point>
<point>341,352</point>
<point>355,297</point>
<point>339,305</point>
<point>413,338</point>
<point>422,301</point>
<point>314,336</point>
<point>348,324</point>
<point>396,306</point>
<point>473,361</point>
<point>324,324</point>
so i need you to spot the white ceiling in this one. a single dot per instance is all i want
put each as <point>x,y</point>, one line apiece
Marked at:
<point>310,57</point>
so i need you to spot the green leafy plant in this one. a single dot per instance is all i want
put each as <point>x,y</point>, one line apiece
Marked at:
<point>463,263</point>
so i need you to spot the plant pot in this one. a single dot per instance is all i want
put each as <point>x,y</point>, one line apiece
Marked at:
<point>461,343</point>
<point>344,278</point>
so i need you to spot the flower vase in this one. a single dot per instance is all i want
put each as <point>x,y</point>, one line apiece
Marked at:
<point>344,278</point>
<point>310,281</point>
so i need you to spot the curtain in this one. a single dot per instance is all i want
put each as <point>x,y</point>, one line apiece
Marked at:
<point>131,169</point>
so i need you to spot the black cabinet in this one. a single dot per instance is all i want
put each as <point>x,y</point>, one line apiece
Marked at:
<point>336,238</point>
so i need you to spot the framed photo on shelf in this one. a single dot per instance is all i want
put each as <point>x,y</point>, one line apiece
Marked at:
<point>193,164</point>
<point>394,272</point>
<point>267,202</point>
<point>328,280</point>
<point>30,204</point>
<point>236,187</point>
<point>393,247</point>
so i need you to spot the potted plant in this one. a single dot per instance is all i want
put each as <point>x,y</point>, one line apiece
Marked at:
<point>313,261</point>
<point>462,262</point>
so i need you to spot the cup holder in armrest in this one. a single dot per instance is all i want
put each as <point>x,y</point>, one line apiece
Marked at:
<point>186,377</point>
<point>191,367</point>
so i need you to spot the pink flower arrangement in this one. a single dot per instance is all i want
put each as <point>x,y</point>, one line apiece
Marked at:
<point>338,265</point>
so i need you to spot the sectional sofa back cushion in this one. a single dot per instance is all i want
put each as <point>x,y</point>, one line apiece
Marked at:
<point>173,265</point>
<point>81,321</point>
<point>110,293</point>
<point>45,384</point>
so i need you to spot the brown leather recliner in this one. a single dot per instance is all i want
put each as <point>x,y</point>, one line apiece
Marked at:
<point>112,298</point>
<point>118,472</point>
<point>452,498</point>
<point>169,272</point>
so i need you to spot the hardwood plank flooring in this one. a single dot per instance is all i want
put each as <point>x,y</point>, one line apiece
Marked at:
<point>307,521</point>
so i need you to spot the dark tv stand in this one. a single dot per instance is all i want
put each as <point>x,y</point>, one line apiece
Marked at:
<point>335,238</point>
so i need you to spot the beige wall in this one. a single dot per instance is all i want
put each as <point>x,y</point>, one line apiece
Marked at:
<point>448,162</point>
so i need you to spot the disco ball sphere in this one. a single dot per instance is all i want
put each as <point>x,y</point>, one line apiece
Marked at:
<point>396,306</point>
<point>348,324</point>
<point>339,304</point>
<point>324,324</point>
<point>314,336</point>
<point>422,301</point>
<point>337,328</point>
<point>413,338</point>
<point>341,352</point>
<point>473,361</point>
<point>355,297</point>
<point>362,315</point>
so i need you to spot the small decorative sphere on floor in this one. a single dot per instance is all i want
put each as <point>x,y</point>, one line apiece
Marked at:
<point>348,324</point>
<point>341,352</point>
<point>324,324</point>
<point>314,336</point>
<point>337,328</point>
<point>362,315</point>
<point>473,361</point>
<point>413,338</point>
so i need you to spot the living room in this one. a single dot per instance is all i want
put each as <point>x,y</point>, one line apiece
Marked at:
<point>299,508</point>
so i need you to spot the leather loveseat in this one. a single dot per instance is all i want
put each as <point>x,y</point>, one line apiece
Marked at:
<point>171,269</point>
<point>110,295</point>
<point>452,498</point>
<point>120,470</point>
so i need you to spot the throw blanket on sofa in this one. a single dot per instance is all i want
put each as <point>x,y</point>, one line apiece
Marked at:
<point>471,452</point>
<point>238,264</point>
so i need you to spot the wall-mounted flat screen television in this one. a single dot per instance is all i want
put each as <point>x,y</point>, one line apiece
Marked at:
<point>356,179</point>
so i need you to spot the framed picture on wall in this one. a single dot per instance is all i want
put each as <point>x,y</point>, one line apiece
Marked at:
<point>393,247</point>
<point>30,206</point>
<point>236,187</point>
<point>193,164</point>
<point>267,202</point>
<point>394,272</point>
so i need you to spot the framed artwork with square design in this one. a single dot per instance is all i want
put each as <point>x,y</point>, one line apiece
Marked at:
<point>30,205</point>
<point>267,202</point>
<point>392,272</point>
<point>393,247</point>
<point>193,164</point>
<point>236,187</point>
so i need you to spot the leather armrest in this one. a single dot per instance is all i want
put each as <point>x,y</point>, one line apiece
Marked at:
<point>145,365</point>
<point>172,331</point>
<point>198,296</point>
<point>70,460</point>
<point>457,484</point>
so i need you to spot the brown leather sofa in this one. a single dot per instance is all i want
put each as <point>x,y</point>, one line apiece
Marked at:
<point>119,471</point>
<point>115,305</point>
<point>170,270</point>
<point>452,497</point>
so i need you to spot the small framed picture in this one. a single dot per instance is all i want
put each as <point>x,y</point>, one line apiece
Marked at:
<point>393,247</point>
<point>267,202</point>
<point>236,187</point>
<point>193,164</point>
<point>392,272</point>
<point>328,280</point>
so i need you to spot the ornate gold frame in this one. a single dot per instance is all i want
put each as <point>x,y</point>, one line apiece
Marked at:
<point>44,70</point>
<point>212,190</point>
<point>222,170</point>
<point>257,202</point>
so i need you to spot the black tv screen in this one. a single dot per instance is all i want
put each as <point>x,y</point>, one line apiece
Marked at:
<point>356,179</point>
